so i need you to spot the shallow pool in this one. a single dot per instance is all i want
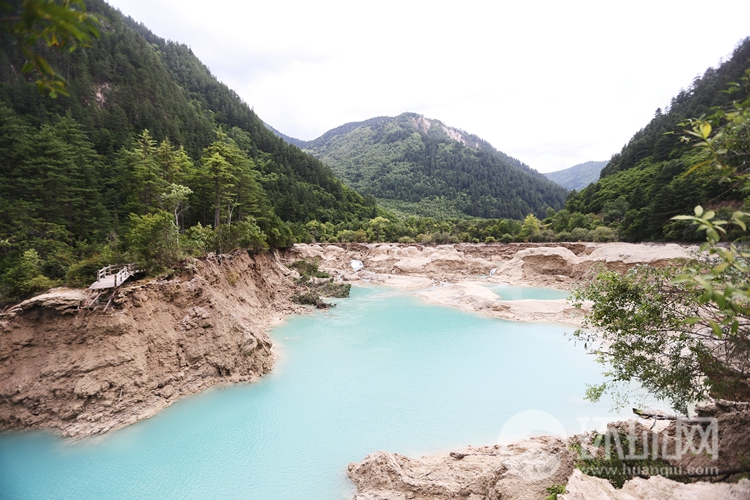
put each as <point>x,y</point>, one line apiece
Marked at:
<point>382,370</point>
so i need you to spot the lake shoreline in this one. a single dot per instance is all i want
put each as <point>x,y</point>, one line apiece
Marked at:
<point>83,371</point>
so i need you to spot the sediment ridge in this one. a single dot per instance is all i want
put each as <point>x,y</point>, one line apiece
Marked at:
<point>83,369</point>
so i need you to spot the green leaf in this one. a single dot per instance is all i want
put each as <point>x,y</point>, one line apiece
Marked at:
<point>716,328</point>
<point>721,267</point>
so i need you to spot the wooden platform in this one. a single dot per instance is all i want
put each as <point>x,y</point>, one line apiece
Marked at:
<point>107,282</point>
<point>113,276</point>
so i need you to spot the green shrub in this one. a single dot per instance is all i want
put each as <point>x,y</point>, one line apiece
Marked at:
<point>199,239</point>
<point>26,278</point>
<point>603,234</point>
<point>309,269</point>
<point>154,240</point>
<point>309,297</point>
<point>564,236</point>
<point>554,490</point>
<point>337,290</point>
<point>579,234</point>
<point>83,273</point>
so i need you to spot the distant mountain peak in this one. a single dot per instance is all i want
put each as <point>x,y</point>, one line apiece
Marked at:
<point>420,166</point>
<point>578,176</point>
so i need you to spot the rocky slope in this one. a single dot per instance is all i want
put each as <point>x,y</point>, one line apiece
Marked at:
<point>84,370</point>
<point>457,275</point>
<point>525,469</point>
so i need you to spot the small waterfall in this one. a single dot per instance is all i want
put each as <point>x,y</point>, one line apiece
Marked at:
<point>492,271</point>
<point>357,265</point>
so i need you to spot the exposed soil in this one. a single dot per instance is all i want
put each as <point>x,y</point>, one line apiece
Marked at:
<point>85,371</point>
<point>456,275</point>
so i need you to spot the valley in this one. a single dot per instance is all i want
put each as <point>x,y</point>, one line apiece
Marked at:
<point>223,369</point>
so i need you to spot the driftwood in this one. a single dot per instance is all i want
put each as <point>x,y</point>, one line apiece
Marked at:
<point>460,456</point>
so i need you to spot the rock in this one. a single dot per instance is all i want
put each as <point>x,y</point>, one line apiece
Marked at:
<point>583,487</point>
<point>519,471</point>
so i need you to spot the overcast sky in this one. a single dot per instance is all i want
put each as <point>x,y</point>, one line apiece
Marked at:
<point>551,83</point>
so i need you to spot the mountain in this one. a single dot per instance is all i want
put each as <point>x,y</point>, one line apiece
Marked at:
<point>148,141</point>
<point>420,166</point>
<point>291,140</point>
<point>131,80</point>
<point>646,178</point>
<point>578,176</point>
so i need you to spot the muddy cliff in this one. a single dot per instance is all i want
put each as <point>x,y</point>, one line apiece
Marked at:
<point>84,367</point>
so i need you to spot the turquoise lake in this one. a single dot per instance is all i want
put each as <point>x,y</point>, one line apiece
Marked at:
<point>382,371</point>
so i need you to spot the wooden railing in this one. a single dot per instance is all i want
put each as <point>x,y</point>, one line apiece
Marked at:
<point>121,272</point>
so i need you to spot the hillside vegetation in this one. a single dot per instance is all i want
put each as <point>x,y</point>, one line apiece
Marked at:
<point>422,167</point>
<point>148,158</point>
<point>646,182</point>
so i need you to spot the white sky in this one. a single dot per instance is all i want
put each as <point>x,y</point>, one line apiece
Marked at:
<point>551,83</point>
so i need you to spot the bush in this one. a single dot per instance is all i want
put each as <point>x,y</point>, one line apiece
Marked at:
<point>200,239</point>
<point>309,298</point>
<point>154,240</point>
<point>26,278</point>
<point>579,234</point>
<point>603,234</point>
<point>564,236</point>
<point>337,290</point>
<point>83,273</point>
<point>309,269</point>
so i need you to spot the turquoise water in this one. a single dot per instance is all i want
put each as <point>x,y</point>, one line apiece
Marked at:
<point>513,292</point>
<point>380,371</point>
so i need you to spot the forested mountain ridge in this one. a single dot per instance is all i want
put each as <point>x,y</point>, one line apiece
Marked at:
<point>149,158</point>
<point>645,180</point>
<point>578,176</point>
<point>131,80</point>
<point>422,167</point>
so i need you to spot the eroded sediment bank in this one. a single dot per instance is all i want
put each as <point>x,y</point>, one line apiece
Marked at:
<point>85,371</point>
